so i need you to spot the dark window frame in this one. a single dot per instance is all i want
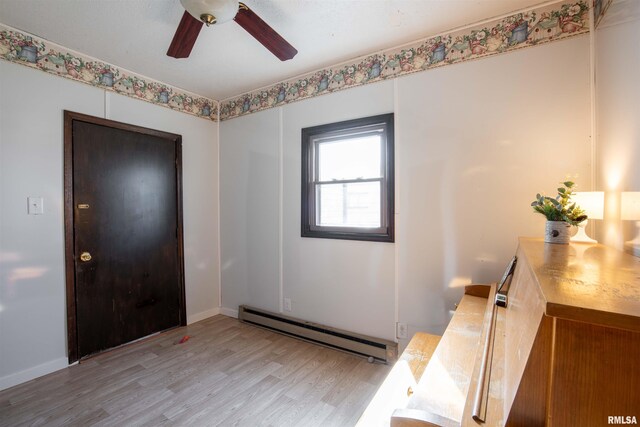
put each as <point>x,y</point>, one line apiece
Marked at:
<point>309,170</point>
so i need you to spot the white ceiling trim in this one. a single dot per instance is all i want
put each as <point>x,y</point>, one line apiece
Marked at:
<point>527,28</point>
<point>27,49</point>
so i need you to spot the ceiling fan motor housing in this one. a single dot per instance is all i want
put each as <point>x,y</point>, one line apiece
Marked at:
<point>211,11</point>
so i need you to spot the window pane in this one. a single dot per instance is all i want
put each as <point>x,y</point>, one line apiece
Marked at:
<point>348,205</point>
<point>350,158</point>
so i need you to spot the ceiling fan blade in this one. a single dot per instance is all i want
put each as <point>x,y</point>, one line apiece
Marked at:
<point>185,36</point>
<point>266,35</point>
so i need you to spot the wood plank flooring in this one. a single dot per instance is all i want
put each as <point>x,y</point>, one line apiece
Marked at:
<point>227,374</point>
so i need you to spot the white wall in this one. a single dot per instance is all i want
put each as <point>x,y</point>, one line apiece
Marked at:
<point>474,143</point>
<point>250,211</point>
<point>264,258</point>
<point>341,283</point>
<point>618,116</point>
<point>32,285</point>
<point>477,141</point>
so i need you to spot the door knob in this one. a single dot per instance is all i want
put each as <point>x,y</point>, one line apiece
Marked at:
<point>85,256</point>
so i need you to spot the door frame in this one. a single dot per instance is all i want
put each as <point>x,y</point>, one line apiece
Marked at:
<point>69,216</point>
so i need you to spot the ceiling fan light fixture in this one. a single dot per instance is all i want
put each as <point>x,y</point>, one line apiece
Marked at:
<point>211,11</point>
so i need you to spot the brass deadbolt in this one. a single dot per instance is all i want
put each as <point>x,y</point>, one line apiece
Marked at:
<point>85,256</point>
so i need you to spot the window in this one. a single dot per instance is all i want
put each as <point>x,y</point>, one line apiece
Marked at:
<point>347,180</point>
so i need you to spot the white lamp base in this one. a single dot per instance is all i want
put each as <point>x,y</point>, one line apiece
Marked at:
<point>633,246</point>
<point>581,235</point>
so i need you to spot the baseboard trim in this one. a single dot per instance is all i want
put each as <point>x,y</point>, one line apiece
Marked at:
<point>229,312</point>
<point>202,315</point>
<point>32,373</point>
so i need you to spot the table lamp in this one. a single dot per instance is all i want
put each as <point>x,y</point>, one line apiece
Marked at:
<point>592,202</point>
<point>630,206</point>
<point>630,211</point>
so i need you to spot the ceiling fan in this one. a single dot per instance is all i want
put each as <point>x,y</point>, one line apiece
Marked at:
<point>198,12</point>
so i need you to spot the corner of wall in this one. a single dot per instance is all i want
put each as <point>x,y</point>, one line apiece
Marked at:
<point>202,315</point>
<point>229,312</point>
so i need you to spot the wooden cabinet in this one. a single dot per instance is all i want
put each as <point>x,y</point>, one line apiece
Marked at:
<point>564,352</point>
<point>581,305</point>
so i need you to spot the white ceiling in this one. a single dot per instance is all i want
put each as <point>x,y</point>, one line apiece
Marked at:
<point>226,61</point>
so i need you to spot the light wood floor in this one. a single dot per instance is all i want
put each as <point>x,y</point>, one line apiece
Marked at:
<point>227,374</point>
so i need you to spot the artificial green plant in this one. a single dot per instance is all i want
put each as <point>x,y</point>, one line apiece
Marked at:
<point>560,208</point>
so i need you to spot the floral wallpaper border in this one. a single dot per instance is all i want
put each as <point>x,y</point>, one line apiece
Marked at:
<point>25,49</point>
<point>524,29</point>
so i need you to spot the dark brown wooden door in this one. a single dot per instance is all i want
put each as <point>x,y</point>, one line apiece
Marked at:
<point>127,235</point>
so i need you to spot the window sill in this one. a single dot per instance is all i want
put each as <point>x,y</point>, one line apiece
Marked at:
<point>366,237</point>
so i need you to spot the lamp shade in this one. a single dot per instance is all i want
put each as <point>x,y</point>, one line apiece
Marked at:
<point>221,10</point>
<point>630,205</point>
<point>591,201</point>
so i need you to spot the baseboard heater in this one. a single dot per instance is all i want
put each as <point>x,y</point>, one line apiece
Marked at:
<point>376,348</point>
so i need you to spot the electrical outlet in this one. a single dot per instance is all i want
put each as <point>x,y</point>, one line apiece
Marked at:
<point>401,330</point>
<point>287,304</point>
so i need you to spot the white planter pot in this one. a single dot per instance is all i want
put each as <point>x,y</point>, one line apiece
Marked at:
<point>557,232</point>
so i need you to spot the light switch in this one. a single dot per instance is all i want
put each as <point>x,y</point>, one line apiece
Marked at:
<point>35,205</point>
